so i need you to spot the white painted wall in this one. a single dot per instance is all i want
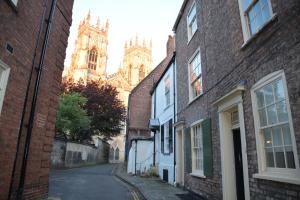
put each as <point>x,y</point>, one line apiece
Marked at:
<point>144,157</point>
<point>164,114</point>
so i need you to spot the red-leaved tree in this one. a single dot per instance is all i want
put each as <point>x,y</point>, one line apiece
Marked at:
<point>106,111</point>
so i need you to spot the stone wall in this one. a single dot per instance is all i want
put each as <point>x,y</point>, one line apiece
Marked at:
<point>70,154</point>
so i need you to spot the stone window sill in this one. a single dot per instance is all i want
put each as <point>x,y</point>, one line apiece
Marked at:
<point>278,177</point>
<point>252,37</point>
<point>191,37</point>
<point>194,99</point>
<point>197,175</point>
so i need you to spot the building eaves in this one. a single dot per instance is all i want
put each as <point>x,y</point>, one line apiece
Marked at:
<point>180,15</point>
<point>162,75</point>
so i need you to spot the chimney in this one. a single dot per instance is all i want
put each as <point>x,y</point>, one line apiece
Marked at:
<point>170,45</point>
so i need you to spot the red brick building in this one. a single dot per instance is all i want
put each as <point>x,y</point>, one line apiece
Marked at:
<point>33,38</point>
<point>139,102</point>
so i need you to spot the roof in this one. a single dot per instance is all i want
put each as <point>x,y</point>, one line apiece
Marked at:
<point>162,75</point>
<point>149,75</point>
<point>180,15</point>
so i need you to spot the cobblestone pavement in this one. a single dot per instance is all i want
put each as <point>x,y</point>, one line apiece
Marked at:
<point>153,188</point>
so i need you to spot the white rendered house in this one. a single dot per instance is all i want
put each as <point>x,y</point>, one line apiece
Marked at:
<point>161,123</point>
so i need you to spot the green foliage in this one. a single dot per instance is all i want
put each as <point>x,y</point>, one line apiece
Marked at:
<point>106,111</point>
<point>72,119</point>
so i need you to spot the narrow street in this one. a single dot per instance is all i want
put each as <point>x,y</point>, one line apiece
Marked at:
<point>88,183</point>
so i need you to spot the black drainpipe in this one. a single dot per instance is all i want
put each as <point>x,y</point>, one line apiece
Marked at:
<point>41,25</point>
<point>34,101</point>
<point>135,156</point>
<point>154,149</point>
<point>174,95</point>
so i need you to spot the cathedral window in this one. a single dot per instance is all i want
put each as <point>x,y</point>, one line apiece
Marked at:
<point>141,73</point>
<point>92,62</point>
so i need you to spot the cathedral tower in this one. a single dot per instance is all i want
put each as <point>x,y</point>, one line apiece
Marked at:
<point>89,59</point>
<point>137,61</point>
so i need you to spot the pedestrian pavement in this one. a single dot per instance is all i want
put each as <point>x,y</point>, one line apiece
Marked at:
<point>153,188</point>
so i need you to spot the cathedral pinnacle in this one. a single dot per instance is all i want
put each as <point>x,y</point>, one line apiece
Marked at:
<point>107,24</point>
<point>136,40</point>
<point>144,43</point>
<point>98,22</point>
<point>88,18</point>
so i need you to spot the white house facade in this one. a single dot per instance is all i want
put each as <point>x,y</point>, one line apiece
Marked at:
<point>163,110</point>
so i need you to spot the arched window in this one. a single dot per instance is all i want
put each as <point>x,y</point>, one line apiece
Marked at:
<point>111,153</point>
<point>117,153</point>
<point>141,73</point>
<point>129,73</point>
<point>92,62</point>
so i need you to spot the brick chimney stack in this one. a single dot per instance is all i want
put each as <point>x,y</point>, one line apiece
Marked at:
<point>170,45</point>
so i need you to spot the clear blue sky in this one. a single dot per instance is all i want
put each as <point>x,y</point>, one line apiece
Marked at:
<point>147,18</point>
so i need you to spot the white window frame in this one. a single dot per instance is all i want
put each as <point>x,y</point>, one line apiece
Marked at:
<point>245,21</point>
<point>167,80</point>
<point>277,174</point>
<point>189,29</point>
<point>199,173</point>
<point>3,82</point>
<point>191,97</point>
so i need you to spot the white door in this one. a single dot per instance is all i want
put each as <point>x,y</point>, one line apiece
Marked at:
<point>180,157</point>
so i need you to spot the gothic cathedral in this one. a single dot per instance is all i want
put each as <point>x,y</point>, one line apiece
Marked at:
<point>89,59</point>
<point>89,62</point>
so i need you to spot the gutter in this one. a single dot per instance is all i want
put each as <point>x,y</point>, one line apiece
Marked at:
<point>179,15</point>
<point>154,138</point>
<point>39,70</point>
<point>174,106</point>
<point>41,25</point>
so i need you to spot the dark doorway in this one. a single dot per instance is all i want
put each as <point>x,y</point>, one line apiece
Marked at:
<point>165,175</point>
<point>239,175</point>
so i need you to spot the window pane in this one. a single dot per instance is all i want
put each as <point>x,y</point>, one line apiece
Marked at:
<point>279,157</point>
<point>279,91</point>
<point>286,135</point>
<point>262,117</point>
<point>282,112</point>
<point>194,27</point>
<point>271,113</point>
<point>269,157</point>
<point>266,13</point>
<point>192,14</point>
<point>267,137</point>
<point>246,4</point>
<point>259,20</point>
<point>260,98</point>
<point>197,88</point>
<point>277,140</point>
<point>269,97</point>
<point>289,157</point>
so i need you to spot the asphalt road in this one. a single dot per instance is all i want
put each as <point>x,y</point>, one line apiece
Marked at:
<point>88,183</point>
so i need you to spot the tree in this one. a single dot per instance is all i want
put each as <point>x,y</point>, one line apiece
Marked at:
<point>72,119</point>
<point>106,111</point>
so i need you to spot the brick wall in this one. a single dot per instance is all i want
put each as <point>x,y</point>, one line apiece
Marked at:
<point>19,27</point>
<point>224,65</point>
